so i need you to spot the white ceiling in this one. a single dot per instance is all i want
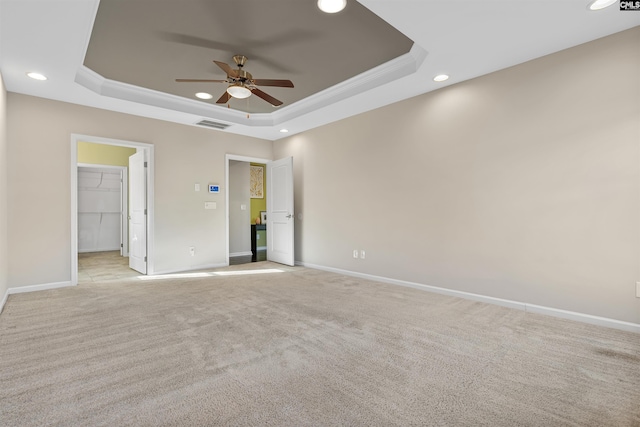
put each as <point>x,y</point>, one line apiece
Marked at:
<point>462,38</point>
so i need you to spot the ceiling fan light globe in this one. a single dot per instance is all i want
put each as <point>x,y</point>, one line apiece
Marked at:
<point>238,91</point>
<point>331,6</point>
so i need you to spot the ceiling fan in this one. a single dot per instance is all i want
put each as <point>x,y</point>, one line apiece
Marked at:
<point>242,84</point>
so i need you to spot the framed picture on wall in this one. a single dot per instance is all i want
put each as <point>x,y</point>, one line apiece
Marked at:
<point>263,217</point>
<point>256,182</point>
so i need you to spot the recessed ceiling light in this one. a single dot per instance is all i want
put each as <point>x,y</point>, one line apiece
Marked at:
<point>284,130</point>
<point>601,4</point>
<point>440,78</point>
<point>331,6</point>
<point>37,76</point>
<point>204,95</point>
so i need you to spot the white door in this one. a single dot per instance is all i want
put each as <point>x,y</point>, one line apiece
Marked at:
<point>280,211</point>
<point>124,209</point>
<point>138,215</point>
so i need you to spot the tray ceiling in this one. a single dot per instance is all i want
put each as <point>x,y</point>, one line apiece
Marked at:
<point>150,44</point>
<point>124,55</point>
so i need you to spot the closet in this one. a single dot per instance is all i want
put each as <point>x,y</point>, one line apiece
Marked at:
<point>100,208</point>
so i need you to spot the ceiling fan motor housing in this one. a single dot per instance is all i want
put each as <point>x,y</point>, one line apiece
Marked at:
<point>240,60</point>
<point>243,76</point>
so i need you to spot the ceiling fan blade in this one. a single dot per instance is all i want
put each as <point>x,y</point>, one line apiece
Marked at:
<point>196,41</point>
<point>200,81</point>
<point>270,99</point>
<point>272,82</point>
<point>227,69</point>
<point>224,98</point>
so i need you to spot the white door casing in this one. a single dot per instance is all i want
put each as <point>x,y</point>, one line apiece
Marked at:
<point>138,214</point>
<point>280,219</point>
<point>148,149</point>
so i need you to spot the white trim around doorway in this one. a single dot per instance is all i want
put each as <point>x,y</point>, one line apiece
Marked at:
<point>229,157</point>
<point>149,156</point>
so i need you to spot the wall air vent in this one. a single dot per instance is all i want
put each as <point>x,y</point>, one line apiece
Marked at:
<point>212,124</point>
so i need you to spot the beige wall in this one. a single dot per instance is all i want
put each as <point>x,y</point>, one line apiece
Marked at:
<point>39,189</point>
<point>523,184</point>
<point>4,245</point>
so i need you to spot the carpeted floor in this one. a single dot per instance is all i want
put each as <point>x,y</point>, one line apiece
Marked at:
<point>301,347</point>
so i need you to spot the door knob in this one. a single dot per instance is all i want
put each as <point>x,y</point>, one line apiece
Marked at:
<point>289,216</point>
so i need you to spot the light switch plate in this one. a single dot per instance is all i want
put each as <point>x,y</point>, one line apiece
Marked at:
<point>243,207</point>
<point>197,187</point>
<point>210,205</point>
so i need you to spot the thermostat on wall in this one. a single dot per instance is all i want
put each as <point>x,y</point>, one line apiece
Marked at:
<point>214,188</point>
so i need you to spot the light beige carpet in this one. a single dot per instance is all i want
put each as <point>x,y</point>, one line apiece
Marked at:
<point>302,348</point>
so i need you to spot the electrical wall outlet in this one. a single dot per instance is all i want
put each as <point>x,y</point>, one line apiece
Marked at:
<point>362,254</point>
<point>355,253</point>
<point>192,250</point>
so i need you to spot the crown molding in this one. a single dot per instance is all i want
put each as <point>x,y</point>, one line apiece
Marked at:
<point>127,92</point>
<point>395,69</point>
<point>392,70</point>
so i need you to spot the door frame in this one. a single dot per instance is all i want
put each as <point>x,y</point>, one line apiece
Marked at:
<point>149,158</point>
<point>229,157</point>
<point>124,201</point>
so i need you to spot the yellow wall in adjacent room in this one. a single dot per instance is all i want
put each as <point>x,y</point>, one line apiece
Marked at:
<point>102,154</point>
<point>258,205</point>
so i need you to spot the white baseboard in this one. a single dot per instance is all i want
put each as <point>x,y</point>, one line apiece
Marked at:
<point>531,308</point>
<point>261,248</point>
<point>88,251</point>
<point>4,300</point>
<point>584,318</point>
<point>35,288</point>
<point>235,254</point>
<point>32,288</point>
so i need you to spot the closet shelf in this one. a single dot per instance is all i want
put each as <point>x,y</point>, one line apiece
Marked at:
<point>100,212</point>
<point>106,189</point>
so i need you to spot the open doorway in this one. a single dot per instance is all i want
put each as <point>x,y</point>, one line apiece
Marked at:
<point>247,211</point>
<point>103,234</point>
<point>279,215</point>
<point>243,236</point>
<point>103,247</point>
